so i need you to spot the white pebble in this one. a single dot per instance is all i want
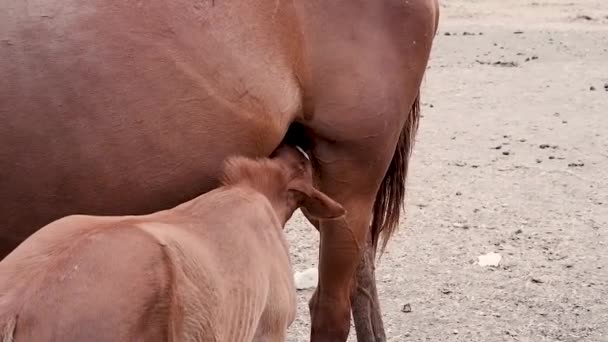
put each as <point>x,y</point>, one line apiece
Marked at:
<point>490,259</point>
<point>307,279</point>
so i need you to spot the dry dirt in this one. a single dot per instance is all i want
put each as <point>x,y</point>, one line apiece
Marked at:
<point>511,157</point>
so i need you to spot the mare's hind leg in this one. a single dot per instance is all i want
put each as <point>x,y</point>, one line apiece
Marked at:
<point>357,109</point>
<point>351,173</point>
<point>365,302</point>
<point>364,296</point>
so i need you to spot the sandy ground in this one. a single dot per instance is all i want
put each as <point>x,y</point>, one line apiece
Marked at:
<point>512,158</point>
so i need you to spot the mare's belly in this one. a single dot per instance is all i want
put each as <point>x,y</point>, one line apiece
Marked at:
<point>113,112</point>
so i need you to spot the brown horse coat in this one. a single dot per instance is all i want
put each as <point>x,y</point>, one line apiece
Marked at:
<point>213,269</point>
<point>113,107</point>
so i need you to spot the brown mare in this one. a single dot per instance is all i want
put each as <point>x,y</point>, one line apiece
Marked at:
<point>128,107</point>
<point>213,269</point>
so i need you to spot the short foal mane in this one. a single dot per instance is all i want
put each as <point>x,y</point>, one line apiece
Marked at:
<point>263,175</point>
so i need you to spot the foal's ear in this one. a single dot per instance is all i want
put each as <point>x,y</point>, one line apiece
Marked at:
<point>316,203</point>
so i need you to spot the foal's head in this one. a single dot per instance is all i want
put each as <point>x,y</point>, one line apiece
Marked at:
<point>286,179</point>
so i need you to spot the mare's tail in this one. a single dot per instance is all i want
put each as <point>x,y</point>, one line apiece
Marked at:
<point>390,196</point>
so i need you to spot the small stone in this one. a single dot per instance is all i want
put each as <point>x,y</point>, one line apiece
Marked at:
<point>445,291</point>
<point>508,64</point>
<point>458,193</point>
<point>307,279</point>
<point>490,259</point>
<point>537,281</point>
<point>407,308</point>
<point>506,153</point>
<point>519,231</point>
<point>592,88</point>
<point>544,146</point>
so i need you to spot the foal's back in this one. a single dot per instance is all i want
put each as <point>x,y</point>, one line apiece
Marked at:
<point>193,273</point>
<point>85,279</point>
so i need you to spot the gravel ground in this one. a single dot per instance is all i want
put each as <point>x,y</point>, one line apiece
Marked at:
<point>512,158</point>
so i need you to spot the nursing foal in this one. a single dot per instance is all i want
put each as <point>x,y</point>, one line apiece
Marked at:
<point>212,269</point>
